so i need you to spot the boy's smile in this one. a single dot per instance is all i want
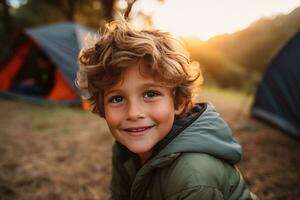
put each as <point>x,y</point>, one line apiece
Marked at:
<point>139,111</point>
<point>138,131</point>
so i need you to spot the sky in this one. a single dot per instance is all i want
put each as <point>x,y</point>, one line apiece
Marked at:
<point>15,3</point>
<point>206,18</point>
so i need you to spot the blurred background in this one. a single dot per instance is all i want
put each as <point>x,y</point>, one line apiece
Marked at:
<point>49,151</point>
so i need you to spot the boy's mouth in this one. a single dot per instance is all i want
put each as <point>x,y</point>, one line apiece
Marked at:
<point>138,131</point>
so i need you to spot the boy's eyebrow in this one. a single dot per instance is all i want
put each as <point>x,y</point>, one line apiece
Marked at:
<point>152,85</point>
<point>146,85</point>
<point>112,91</point>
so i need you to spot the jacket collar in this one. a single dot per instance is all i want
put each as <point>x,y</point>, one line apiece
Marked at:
<point>206,132</point>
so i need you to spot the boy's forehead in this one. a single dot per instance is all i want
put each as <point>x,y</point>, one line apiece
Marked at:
<point>137,70</point>
<point>136,75</point>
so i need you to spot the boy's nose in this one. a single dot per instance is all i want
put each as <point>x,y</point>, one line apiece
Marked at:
<point>135,111</point>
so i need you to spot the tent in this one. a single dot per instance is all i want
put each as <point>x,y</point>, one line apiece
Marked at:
<point>277,99</point>
<point>42,64</point>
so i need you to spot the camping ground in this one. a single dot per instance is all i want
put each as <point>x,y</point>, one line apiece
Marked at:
<point>49,152</point>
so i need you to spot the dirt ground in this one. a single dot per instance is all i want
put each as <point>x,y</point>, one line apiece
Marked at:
<point>49,152</point>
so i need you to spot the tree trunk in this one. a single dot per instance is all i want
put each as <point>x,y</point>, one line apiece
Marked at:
<point>6,17</point>
<point>108,6</point>
<point>70,10</point>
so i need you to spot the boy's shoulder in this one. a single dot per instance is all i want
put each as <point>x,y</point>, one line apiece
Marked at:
<point>201,168</point>
<point>201,172</point>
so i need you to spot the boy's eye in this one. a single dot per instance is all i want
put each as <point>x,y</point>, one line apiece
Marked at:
<point>116,99</point>
<point>151,94</point>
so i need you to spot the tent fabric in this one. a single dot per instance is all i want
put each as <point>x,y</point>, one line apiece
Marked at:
<point>55,45</point>
<point>277,99</point>
<point>61,42</point>
<point>10,70</point>
<point>61,89</point>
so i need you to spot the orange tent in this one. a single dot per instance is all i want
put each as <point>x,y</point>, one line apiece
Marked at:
<point>43,64</point>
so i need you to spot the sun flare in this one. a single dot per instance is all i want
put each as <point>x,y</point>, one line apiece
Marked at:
<point>204,19</point>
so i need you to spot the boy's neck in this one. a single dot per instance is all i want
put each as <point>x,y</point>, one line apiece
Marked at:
<point>144,156</point>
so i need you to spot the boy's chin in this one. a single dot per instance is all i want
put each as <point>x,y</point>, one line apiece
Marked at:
<point>143,151</point>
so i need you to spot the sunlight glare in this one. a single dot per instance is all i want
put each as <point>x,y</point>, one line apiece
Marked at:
<point>204,19</point>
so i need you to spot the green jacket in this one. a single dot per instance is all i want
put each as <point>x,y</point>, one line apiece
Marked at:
<point>195,161</point>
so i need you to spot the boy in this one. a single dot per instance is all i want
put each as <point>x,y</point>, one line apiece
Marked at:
<point>167,147</point>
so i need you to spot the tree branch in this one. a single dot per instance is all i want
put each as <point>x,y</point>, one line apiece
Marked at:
<point>127,12</point>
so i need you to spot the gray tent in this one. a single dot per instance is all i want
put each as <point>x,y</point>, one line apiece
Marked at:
<point>277,99</point>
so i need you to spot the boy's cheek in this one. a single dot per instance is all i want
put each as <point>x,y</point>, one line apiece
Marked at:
<point>112,118</point>
<point>111,122</point>
<point>162,111</point>
<point>112,128</point>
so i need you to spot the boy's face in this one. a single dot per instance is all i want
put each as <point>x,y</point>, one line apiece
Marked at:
<point>139,111</point>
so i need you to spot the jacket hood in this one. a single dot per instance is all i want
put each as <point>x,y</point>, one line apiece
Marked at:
<point>202,131</point>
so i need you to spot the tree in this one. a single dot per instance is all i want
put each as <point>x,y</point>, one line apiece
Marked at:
<point>108,6</point>
<point>6,17</point>
<point>68,8</point>
<point>88,12</point>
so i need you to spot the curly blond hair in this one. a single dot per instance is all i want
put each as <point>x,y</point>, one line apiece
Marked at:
<point>119,47</point>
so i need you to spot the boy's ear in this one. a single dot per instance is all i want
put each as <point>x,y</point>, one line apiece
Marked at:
<point>179,108</point>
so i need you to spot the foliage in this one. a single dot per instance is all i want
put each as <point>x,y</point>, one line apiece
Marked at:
<point>238,60</point>
<point>35,14</point>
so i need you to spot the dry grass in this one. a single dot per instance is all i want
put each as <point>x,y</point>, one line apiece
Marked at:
<point>52,153</point>
<point>64,153</point>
